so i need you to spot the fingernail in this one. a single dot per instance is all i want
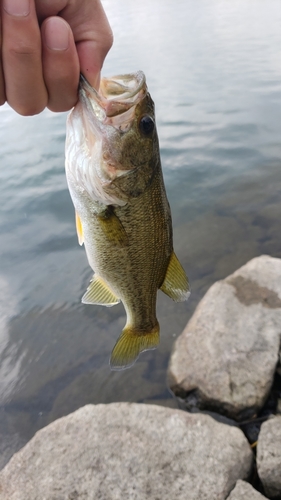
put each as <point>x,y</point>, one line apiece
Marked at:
<point>17,7</point>
<point>56,34</point>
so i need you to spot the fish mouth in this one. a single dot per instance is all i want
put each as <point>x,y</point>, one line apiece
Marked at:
<point>114,104</point>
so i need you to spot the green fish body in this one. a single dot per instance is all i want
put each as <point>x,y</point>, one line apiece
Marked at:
<point>123,216</point>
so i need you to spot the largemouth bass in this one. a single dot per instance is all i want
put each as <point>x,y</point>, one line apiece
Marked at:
<point>123,216</point>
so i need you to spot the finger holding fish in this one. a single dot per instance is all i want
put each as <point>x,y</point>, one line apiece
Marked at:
<point>91,31</point>
<point>60,64</point>
<point>76,37</point>
<point>45,45</point>
<point>35,76</point>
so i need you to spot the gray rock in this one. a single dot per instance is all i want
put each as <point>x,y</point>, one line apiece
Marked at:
<point>269,456</point>
<point>226,357</point>
<point>244,491</point>
<point>128,450</point>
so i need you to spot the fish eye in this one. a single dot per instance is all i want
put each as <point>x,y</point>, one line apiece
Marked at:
<point>146,125</point>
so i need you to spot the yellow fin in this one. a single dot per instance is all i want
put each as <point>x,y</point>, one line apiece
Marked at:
<point>113,228</point>
<point>99,293</point>
<point>79,229</point>
<point>130,344</point>
<point>176,282</point>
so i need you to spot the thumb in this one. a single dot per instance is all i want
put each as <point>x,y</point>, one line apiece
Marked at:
<point>92,34</point>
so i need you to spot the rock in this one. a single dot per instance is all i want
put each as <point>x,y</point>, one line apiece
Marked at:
<point>269,456</point>
<point>279,364</point>
<point>244,491</point>
<point>128,450</point>
<point>226,357</point>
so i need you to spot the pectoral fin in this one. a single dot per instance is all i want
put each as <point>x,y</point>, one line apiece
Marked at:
<point>130,344</point>
<point>176,282</point>
<point>99,293</point>
<point>113,228</point>
<point>79,229</point>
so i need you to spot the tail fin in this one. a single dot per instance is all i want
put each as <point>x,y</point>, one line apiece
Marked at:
<point>130,344</point>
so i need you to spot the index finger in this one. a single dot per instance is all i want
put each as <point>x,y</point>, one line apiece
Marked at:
<point>2,85</point>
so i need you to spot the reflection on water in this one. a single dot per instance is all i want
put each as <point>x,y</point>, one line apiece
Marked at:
<point>214,71</point>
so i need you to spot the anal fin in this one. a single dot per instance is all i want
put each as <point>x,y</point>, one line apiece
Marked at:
<point>99,293</point>
<point>130,344</point>
<point>176,284</point>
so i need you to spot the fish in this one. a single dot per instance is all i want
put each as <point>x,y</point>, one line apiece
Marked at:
<point>123,216</point>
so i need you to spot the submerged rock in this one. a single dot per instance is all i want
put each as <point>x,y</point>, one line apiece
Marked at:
<point>269,456</point>
<point>244,491</point>
<point>226,357</point>
<point>128,450</point>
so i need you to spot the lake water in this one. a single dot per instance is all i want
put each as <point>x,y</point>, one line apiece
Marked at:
<point>214,71</point>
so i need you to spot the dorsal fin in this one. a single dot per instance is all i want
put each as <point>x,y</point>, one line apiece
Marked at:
<point>175,284</point>
<point>99,293</point>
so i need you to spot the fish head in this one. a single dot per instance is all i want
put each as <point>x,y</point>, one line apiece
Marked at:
<point>112,147</point>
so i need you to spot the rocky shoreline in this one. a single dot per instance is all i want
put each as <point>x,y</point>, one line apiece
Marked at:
<point>225,445</point>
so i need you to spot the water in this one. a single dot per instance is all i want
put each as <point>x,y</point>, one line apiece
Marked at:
<point>214,71</point>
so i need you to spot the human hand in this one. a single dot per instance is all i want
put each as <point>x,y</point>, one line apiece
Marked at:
<point>45,44</point>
